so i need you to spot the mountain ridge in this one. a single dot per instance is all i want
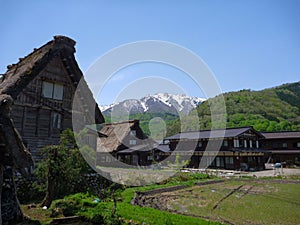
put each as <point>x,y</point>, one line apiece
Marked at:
<point>271,109</point>
<point>157,103</point>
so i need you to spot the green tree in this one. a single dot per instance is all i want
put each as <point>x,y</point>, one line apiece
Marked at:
<point>61,168</point>
<point>273,109</point>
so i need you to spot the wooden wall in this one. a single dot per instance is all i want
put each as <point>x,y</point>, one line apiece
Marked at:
<point>33,114</point>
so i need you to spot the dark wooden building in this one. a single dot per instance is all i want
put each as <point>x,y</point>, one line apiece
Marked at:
<point>43,85</point>
<point>124,141</point>
<point>240,148</point>
<point>283,146</point>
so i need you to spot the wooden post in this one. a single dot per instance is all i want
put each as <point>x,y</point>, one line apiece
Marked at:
<point>1,183</point>
<point>17,156</point>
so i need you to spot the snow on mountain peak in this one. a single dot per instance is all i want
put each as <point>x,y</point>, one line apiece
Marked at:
<point>160,103</point>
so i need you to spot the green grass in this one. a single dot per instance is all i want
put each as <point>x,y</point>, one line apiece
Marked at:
<point>257,202</point>
<point>36,214</point>
<point>266,203</point>
<point>154,216</point>
<point>187,179</point>
<point>279,204</point>
<point>83,205</point>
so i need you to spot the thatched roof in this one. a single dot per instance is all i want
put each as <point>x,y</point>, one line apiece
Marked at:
<point>112,135</point>
<point>19,75</point>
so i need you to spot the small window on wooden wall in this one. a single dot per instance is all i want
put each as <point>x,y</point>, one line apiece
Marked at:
<point>225,143</point>
<point>56,120</point>
<point>133,133</point>
<point>284,145</point>
<point>132,142</point>
<point>53,90</point>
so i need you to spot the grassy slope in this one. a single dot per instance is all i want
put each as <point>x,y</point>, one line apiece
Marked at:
<point>271,109</point>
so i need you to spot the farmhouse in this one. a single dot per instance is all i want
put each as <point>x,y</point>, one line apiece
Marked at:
<point>42,86</point>
<point>124,141</point>
<point>283,146</point>
<point>240,148</point>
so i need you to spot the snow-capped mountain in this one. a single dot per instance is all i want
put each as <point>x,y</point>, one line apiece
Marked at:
<point>158,103</point>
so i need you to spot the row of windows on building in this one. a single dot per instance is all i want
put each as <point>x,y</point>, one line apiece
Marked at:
<point>237,143</point>
<point>221,161</point>
<point>245,143</point>
<point>284,145</point>
<point>241,143</point>
<point>218,161</point>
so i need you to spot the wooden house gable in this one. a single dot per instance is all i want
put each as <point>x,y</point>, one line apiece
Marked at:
<point>250,134</point>
<point>51,84</point>
<point>43,86</point>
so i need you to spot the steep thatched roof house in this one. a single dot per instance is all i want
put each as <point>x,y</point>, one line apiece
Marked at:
<point>125,141</point>
<point>43,85</point>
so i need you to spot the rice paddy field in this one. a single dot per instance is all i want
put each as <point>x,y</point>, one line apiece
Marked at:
<point>238,202</point>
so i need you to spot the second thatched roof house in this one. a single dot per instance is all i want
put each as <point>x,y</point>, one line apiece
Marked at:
<point>126,142</point>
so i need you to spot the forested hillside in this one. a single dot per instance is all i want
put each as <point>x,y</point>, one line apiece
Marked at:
<point>273,109</point>
<point>145,118</point>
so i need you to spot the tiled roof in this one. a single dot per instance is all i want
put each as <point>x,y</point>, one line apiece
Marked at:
<point>281,135</point>
<point>205,134</point>
<point>163,148</point>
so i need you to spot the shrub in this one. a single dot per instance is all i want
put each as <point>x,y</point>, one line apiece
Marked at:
<point>83,205</point>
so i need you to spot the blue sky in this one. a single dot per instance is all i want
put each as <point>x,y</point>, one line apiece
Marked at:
<point>247,44</point>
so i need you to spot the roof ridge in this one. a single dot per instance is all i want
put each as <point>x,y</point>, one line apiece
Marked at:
<point>18,75</point>
<point>122,122</point>
<point>57,39</point>
<point>230,128</point>
<point>287,131</point>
